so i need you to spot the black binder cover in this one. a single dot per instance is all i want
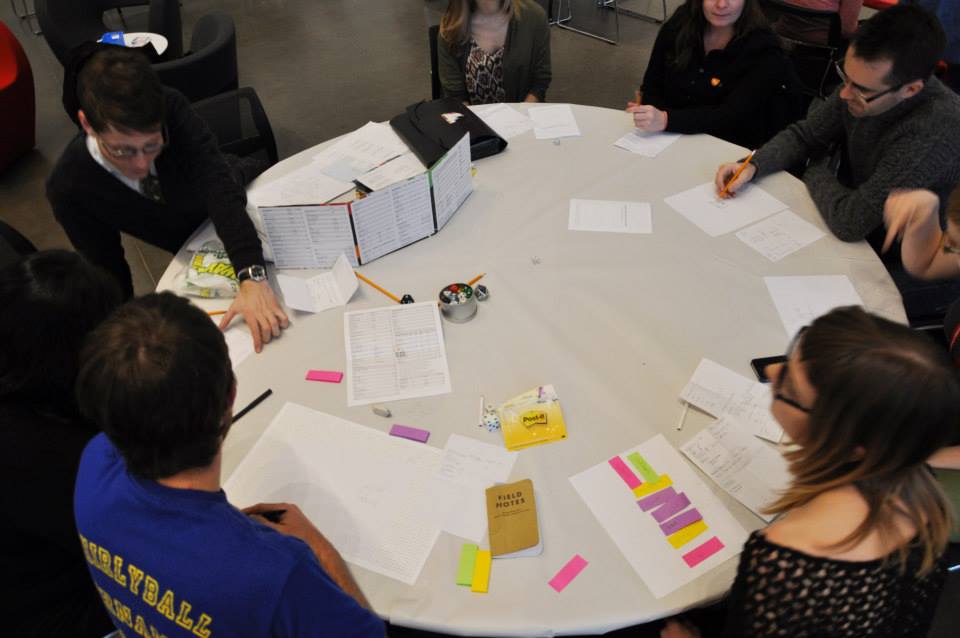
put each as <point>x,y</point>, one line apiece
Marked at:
<point>430,135</point>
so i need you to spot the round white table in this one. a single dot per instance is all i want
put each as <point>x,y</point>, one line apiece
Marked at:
<point>616,322</point>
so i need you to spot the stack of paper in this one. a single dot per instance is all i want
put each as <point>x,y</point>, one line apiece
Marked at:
<point>801,299</point>
<point>609,217</point>
<point>320,292</point>
<point>646,144</point>
<point>718,216</point>
<point>720,391</point>
<point>554,121</point>
<point>749,470</point>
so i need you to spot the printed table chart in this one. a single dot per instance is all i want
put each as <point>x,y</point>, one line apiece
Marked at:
<point>616,322</point>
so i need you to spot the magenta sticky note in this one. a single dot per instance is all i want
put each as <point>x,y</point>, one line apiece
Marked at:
<point>568,572</point>
<point>702,552</point>
<point>680,521</point>
<point>328,376</point>
<point>670,507</point>
<point>656,499</point>
<point>407,432</point>
<point>621,468</point>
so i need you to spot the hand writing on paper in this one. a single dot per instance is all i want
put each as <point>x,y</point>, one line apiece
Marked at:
<point>907,210</point>
<point>678,629</point>
<point>259,308</point>
<point>725,174</point>
<point>648,118</point>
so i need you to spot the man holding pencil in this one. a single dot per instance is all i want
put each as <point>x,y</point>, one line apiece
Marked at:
<point>890,125</point>
<point>169,555</point>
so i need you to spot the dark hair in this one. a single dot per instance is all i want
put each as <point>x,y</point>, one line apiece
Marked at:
<point>887,398</point>
<point>156,377</point>
<point>690,22</point>
<point>118,86</point>
<point>50,301</point>
<point>909,36</point>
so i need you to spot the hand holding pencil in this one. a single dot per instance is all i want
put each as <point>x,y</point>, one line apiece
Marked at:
<point>732,177</point>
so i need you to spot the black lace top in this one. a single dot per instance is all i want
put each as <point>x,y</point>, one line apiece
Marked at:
<point>784,592</point>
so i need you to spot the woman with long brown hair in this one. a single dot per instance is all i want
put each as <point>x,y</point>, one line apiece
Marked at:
<point>494,51</point>
<point>864,522</point>
<point>717,68</point>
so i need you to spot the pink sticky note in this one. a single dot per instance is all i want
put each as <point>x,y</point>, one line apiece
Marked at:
<point>621,468</point>
<point>568,572</point>
<point>656,499</point>
<point>329,376</point>
<point>407,432</point>
<point>670,507</point>
<point>702,552</point>
<point>680,521</point>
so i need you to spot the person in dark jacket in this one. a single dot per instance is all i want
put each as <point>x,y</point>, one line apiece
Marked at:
<point>493,51</point>
<point>51,300</point>
<point>717,68</point>
<point>145,164</point>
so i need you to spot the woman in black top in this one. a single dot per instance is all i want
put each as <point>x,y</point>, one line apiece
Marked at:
<point>717,68</point>
<point>857,550</point>
<point>49,301</point>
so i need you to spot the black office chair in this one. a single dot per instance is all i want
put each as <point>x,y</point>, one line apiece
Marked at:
<point>210,67</point>
<point>68,23</point>
<point>13,245</point>
<point>436,90</point>
<point>241,125</point>
<point>813,62</point>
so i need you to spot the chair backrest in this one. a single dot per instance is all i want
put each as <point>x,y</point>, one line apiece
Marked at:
<point>210,67</point>
<point>164,18</point>
<point>436,91</point>
<point>813,61</point>
<point>241,125</point>
<point>13,245</point>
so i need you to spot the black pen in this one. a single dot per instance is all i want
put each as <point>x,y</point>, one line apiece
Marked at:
<point>252,405</point>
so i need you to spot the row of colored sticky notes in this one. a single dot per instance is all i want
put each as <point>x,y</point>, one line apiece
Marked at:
<point>474,568</point>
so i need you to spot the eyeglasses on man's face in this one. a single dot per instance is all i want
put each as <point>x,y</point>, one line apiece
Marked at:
<point>861,92</point>
<point>782,375</point>
<point>125,152</point>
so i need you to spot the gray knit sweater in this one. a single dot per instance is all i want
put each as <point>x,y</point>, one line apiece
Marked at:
<point>916,144</point>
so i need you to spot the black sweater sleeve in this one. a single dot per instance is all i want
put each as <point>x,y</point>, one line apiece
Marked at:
<point>204,166</point>
<point>654,79</point>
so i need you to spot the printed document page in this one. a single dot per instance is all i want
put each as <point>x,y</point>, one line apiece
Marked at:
<point>505,120</point>
<point>309,236</point>
<point>716,216</point>
<point>553,121</point>
<point>646,144</point>
<point>390,219</point>
<point>367,492</point>
<point>783,234</point>
<point>452,181</point>
<point>396,170</point>
<point>396,352</point>
<point>609,217</point>
<point>801,299</point>
<point>320,292</point>
<point>360,151</point>
<point>303,186</point>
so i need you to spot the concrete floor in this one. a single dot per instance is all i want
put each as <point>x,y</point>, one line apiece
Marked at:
<point>323,68</point>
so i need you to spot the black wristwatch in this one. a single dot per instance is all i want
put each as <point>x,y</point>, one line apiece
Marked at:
<point>253,273</point>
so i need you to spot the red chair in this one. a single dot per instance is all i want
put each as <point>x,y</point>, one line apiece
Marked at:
<point>17,101</point>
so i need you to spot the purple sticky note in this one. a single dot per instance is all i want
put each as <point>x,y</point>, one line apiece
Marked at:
<point>702,552</point>
<point>328,376</point>
<point>656,499</point>
<point>621,468</point>
<point>670,507</point>
<point>407,432</point>
<point>680,521</point>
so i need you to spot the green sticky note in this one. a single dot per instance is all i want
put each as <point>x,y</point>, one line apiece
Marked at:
<point>641,465</point>
<point>468,559</point>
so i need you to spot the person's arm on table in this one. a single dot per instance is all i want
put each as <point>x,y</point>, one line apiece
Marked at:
<point>914,218</point>
<point>294,523</point>
<point>452,80</point>
<point>226,204</point>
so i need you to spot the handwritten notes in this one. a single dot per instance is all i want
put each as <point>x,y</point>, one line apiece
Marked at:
<point>321,292</point>
<point>801,299</point>
<point>646,144</point>
<point>720,391</point>
<point>395,352</point>
<point>609,216</point>
<point>717,216</point>
<point>467,468</point>
<point>783,234</point>
<point>694,533</point>
<point>550,122</point>
<point>748,469</point>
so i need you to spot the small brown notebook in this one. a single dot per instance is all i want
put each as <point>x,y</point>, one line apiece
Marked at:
<point>512,518</point>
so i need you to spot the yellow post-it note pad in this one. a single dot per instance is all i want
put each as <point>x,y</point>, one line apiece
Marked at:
<point>481,572</point>
<point>468,560</point>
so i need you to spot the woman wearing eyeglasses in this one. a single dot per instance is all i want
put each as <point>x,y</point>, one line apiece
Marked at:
<point>717,68</point>
<point>864,523</point>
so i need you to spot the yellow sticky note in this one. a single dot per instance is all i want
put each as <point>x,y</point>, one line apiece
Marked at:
<point>649,488</point>
<point>481,571</point>
<point>684,536</point>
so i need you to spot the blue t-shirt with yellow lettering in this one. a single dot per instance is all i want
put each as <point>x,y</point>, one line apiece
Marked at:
<point>185,563</point>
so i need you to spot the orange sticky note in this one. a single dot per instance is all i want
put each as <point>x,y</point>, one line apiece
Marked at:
<point>650,488</point>
<point>481,572</point>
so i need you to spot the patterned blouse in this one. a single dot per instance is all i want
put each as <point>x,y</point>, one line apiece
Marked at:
<point>484,75</point>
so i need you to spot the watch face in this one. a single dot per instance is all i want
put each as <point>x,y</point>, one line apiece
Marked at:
<point>254,273</point>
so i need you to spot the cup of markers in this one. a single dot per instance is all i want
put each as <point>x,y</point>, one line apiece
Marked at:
<point>458,303</point>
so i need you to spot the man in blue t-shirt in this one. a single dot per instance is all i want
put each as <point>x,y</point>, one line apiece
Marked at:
<point>168,554</point>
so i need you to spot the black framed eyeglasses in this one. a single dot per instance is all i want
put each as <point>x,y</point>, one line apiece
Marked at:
<point>782,374</point>
<point>858,90</point>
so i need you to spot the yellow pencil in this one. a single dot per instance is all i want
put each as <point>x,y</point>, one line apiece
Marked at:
<point>214,313</point>
<point>383,290</point>
<point>476,279</point>
<point>737,174</point>
<point>638,96</point>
